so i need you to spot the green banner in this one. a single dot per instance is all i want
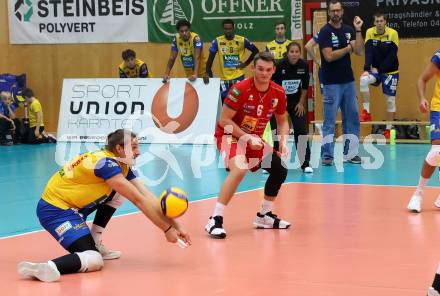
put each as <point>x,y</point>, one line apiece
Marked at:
<point>254,19</point>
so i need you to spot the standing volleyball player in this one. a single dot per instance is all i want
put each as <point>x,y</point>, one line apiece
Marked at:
<point>93,181</point>
<point>381,66</point>
<point>248,107</point>
<point>190,47</point>
<point>278,46</point>
<point>432,160</point>
<point>231,49</point>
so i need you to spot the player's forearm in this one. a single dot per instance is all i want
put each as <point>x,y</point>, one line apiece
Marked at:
<point>283,130</point>
<point>230,127</point>
<point>170,65</point>
<point>209,64</point>
<point>302,99</point>
<point>359,44</point>
<point>197,61</point>
<point>421,87</point>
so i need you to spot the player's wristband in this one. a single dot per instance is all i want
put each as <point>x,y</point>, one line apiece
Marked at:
<point>165,231</point>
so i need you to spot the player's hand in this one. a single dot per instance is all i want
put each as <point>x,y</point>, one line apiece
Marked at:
<point>424,105</point>
<point>357,23</point>
<point>166,78</point>
<point>365,73</point>
<point>37,133</point>
<point>206,78</point>
<point>192,78</point>
<point>172,235</point>
<point>374,70</point>
<point>185,237</point>
<point>300,110</point>
<point>255,143</point>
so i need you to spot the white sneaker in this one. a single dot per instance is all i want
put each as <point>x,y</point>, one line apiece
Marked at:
<point>45,272</point>
<point>415,204</point>
<point>437,202</point>
<point>433,292</point>
<point>308,170</point>
<point>270,221</point>
<point>215,227</point>
<point>106,253</point>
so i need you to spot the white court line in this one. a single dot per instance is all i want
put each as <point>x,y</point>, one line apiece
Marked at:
<point>244,191</point>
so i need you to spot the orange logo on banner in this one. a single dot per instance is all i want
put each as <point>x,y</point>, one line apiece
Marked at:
<point>184,120</point>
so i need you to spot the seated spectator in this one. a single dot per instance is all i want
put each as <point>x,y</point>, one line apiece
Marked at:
<point>132,67</point>
<point>35,133</point>
<point>11,128</point>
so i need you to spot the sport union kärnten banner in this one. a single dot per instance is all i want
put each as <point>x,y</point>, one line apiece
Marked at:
<point>411,18</point>
<point>77,21</point>
<point>254,19</point>
<point>175,112</point>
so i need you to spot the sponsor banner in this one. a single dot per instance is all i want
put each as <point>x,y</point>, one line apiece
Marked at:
<point>254,19</point>
<point>176,112</point>
<point>411,18</point>
<point>297,20</point>
<point>77,21</point>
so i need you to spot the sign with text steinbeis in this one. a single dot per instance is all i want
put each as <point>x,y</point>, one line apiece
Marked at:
<point>254,19</point>
<point>77,21</point>
<point>176,112</point>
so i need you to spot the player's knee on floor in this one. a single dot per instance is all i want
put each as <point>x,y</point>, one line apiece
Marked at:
<point>433,156</point>
<point>391,104</point>
<point>277,176</point>
<point>365,81</point>
<point>116,201</point>
<point>90,261</point>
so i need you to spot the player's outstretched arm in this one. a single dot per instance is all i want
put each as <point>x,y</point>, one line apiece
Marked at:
<point>144,190</point>
<point>148,205</point>
<point>426,75</point>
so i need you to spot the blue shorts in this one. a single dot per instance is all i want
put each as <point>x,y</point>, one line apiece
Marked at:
<point>389,82</point>
<point>225,85</point>
<point>66,226</point>
<point>435,125</point>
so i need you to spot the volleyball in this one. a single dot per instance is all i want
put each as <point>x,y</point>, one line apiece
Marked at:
<point>173,202</point>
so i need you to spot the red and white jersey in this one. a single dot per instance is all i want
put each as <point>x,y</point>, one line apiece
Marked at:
<point>254,108</point>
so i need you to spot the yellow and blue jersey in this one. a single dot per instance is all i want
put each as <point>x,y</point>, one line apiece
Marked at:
<point>277,49</point>
<point>186,50</point>
<point>381,51</point>
<point>140,70</point>
<point>34,108</point>
<point>435,102</point>
<point>231,53</point>
<point>80,184</point>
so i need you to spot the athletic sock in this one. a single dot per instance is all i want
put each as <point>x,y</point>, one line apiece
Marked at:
<point>266,207</point>
<point>219,209</point>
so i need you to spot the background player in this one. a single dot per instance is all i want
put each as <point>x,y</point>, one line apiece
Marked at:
<point>381,66</point>
<point>231,49</point>
<point>190,47</point>
<point>132,67</point>
<point>278,46</point>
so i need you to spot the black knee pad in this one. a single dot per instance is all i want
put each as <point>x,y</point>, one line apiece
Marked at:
<point>277,176</point>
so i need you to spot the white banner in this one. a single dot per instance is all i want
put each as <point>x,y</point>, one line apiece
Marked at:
<point>77,21</point>
<point>297,20</point>
<point>176,112</point>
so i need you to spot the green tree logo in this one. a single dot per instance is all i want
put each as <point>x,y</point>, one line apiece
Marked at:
<point>23,10</point>
<point>167,13</point>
